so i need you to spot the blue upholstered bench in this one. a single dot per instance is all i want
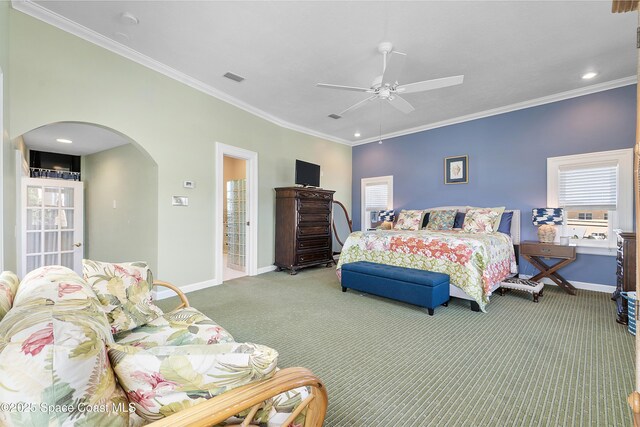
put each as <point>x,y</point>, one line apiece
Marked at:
<point>419,287</point>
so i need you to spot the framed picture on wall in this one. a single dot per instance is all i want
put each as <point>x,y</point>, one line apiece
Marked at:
<point>456,170</point>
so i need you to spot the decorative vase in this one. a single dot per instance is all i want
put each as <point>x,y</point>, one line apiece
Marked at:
<point>546,233</point>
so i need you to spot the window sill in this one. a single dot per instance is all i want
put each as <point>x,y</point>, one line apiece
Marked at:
<point>596,250</point>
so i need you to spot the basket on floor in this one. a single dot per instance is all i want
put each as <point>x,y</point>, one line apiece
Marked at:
<point>631,307</point>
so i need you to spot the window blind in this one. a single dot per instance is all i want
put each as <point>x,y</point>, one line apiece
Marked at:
<point>592,187</point>
<point>376,197</point>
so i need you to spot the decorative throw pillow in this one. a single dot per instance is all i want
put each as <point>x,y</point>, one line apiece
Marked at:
<point>425,220</point>
<point>8,286</point>
<point>459,220</point>
<point>505,223</point>
<point>498,210</point>
<point>480,221</point>
<point>124,291</point>
<point>441,220</point>
<point>163,380</point>
<point>409,220</point>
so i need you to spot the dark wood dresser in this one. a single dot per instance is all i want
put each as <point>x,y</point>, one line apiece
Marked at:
<point>625,273</point>
<point>303,227</point>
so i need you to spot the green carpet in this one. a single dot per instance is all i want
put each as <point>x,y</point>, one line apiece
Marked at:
<point>563,361</point>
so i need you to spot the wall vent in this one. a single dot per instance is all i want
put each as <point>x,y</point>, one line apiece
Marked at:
<point>234,77</point>
<point>335,116</point>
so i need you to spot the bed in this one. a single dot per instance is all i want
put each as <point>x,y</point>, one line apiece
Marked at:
<point>476,262</point>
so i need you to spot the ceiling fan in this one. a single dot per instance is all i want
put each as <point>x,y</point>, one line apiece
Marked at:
<point>386,86</point>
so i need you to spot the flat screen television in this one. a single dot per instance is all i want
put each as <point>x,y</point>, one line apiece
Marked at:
<point>307,174</point>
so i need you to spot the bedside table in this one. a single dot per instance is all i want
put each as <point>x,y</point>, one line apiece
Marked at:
<point>534,252</point>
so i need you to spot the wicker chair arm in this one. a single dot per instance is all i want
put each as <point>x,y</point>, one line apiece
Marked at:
<point>181,295</point>
<point>232,402</point>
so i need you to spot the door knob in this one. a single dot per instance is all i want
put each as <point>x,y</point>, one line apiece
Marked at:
<point>77,245</point>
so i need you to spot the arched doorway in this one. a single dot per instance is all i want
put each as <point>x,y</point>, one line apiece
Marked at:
<point>118,185</point>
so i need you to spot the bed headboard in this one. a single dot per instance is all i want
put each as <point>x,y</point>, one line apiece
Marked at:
<point>515,220</point>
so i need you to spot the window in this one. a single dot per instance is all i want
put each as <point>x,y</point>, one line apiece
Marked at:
<point>596,192</point>
<point>376,195</point>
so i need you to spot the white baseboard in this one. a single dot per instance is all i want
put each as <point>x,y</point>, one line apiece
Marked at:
<point>168,293</point>
<point>267,269</point>
<point>164,293</point>
<point>579,285</point>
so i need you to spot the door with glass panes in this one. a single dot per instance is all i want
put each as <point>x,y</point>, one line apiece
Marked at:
<point>51,223</point>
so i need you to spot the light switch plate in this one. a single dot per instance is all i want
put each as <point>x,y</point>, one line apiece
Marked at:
<point>179,200</point>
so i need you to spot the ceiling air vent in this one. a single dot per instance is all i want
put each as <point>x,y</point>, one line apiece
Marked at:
<point>335,116</point>
<point>234,77</point>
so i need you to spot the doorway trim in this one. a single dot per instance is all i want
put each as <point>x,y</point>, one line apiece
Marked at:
<point>251,158</point>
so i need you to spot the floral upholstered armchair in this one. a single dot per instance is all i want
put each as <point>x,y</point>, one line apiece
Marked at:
<point>97,351</point>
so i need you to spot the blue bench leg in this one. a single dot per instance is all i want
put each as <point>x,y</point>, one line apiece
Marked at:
<point>475,306</point>
<point>446,304</point>
<point>430,311</point>
<point>344,289</point>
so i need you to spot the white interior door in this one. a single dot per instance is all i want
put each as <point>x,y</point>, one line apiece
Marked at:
<point>52,224</point>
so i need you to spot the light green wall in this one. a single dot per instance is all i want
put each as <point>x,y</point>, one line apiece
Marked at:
<point>8,177</point>
<point>57,76</point>
<point>129,231</point>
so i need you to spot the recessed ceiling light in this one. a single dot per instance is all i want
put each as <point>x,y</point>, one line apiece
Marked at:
<point>64,141</point>
<point>357,134</point>
<point>589,75</point>
<point>129,18</point>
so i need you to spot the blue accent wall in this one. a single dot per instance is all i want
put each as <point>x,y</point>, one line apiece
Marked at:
<point>507,162</point>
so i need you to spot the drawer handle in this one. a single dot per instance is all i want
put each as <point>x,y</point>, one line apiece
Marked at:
<point>546,251</point>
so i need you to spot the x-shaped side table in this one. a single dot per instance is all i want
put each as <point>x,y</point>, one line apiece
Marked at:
<point>535,251</point>
<point>551,272</point>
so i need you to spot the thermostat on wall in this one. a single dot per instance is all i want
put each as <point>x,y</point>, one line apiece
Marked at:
<point>179,200</point>
<point>189,184</point>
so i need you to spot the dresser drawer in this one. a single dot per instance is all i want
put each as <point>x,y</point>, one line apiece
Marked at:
<point>546,250</point>
<point>313,230</point>
<point>314,205</point>
<point>316,195</point>
<point>318,256</point>
<point>304,244</point>
<point>322,217</point>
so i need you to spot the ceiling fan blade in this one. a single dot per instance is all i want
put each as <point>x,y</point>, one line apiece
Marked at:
<point>352,88</point>
<point>430,84</point>
<point>401,104</point>
<point>395,65</point>
<point>357,105</point>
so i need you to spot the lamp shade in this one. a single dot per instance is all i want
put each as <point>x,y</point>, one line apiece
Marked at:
<point>550,216</point>
<point>386,216</point>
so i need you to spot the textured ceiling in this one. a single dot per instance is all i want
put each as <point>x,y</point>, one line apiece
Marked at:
<point>509,52</point>
<point>87,138</point>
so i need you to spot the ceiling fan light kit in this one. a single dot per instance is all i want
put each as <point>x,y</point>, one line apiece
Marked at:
<point>387,86</point>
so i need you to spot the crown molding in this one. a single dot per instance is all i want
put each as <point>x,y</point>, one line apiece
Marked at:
<point>587,90</point>
<point>43,14</point>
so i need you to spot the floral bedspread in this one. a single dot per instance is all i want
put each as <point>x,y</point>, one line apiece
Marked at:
<point>473,261</point>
